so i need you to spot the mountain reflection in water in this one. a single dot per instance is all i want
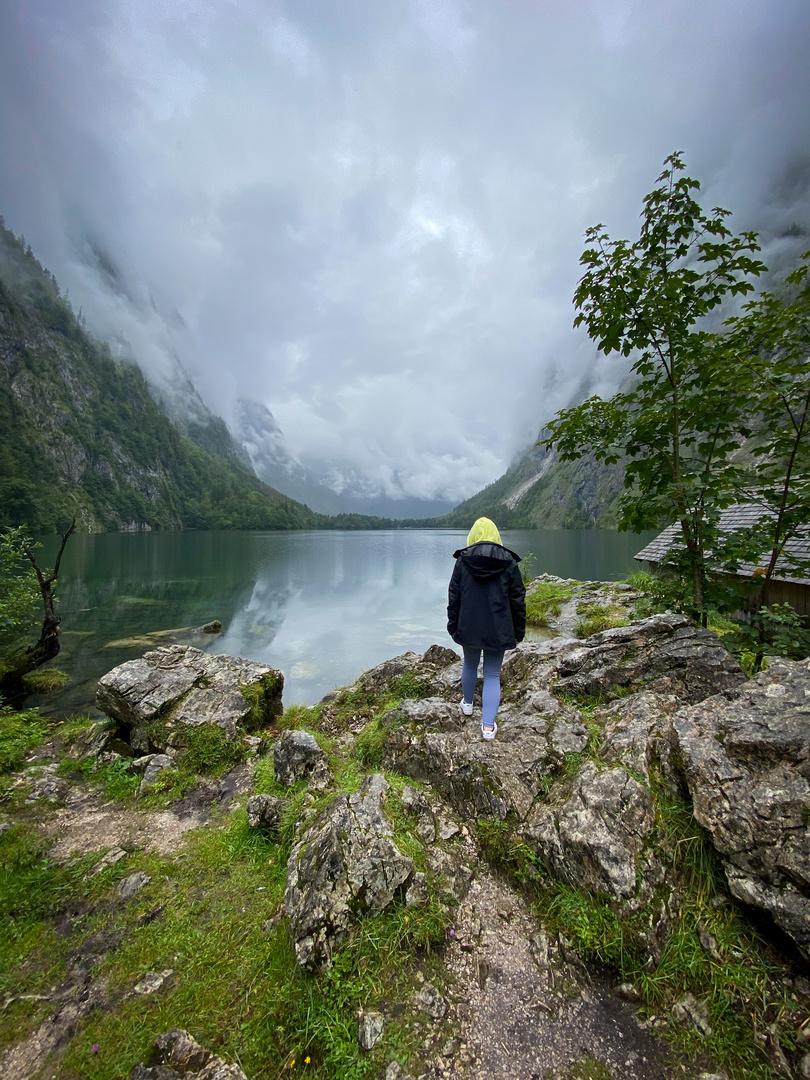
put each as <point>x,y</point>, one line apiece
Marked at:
<point>321,606</point>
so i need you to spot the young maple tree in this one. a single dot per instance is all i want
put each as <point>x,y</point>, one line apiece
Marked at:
<point>686,411</point>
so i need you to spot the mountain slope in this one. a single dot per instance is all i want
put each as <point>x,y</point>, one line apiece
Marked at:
<point>538,491</point>
<point>81,434</point>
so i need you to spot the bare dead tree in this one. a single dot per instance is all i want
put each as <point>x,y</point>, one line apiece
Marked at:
<point>48,645</point>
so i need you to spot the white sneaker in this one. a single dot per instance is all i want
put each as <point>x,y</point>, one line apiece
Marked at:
<point>466,707</point>
<point>489,733</point>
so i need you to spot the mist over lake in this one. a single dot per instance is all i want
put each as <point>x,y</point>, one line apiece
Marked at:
<point>320,606</point>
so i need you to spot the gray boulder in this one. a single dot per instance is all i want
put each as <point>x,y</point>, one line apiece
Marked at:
<point>44,784</point>
<point>370,1030</point>
<point>176,1054</point>
<point>266,812</point>
<point>433,742</point>
<point>666,653</point>
<point>746,755</point>
<point>152,766</point>
<point>297,756</point>
<point>164,693</point>
<point>638,734</point>
<point>345,861</point>
<point>94,740</point>
<point>596,839</point>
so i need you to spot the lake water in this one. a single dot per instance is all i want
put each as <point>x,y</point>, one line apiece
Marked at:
<point>321,606</point>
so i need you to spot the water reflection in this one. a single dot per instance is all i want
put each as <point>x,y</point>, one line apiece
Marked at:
<point>323,611</point>
<point>321,606</point>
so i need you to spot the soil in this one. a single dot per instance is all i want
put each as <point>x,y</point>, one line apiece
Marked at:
<point>525,1009</point>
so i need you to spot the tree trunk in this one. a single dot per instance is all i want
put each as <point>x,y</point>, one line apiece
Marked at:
<point>12,686</point>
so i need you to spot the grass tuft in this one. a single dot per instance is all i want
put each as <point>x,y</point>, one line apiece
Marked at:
<point>19,733</point>
<point>44,681</point>
<point>545,601</point>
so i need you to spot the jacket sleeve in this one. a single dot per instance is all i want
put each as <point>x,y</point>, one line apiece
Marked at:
<point>454,600</point>
<point>517,601</point>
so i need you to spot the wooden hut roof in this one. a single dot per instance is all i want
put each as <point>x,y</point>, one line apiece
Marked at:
<point>735,517</point>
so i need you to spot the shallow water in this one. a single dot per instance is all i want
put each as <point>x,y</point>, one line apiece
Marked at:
<point>321,606</point>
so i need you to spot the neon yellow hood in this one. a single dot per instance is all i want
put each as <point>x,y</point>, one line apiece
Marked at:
<point>484,529</point>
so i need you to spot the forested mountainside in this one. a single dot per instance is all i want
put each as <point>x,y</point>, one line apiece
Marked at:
<point>80,433</point>
<point>538,491</point>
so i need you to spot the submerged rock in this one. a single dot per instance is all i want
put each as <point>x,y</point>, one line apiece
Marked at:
<point>746,755</point>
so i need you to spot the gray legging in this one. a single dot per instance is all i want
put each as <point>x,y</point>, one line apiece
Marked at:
<point>493,658</point>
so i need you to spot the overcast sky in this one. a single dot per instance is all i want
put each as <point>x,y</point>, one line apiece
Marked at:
<point>369,213</point>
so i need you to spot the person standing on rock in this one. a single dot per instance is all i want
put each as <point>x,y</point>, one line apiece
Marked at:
<point>486,612</point>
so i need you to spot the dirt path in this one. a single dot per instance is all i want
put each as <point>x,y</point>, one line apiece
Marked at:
<point>526,1011</point>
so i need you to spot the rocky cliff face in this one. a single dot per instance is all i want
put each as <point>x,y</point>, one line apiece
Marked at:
<point>539,491</point>
<point>263,441</point>
<point>80,433</point>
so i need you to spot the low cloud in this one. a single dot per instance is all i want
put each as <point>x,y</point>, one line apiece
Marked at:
<point>369,216</point>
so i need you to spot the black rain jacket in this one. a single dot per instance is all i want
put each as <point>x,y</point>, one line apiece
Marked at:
<point>486,600</point>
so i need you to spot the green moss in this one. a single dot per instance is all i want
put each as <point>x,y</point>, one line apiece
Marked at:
<point>598,617</point>
<point>44,681</point>
<point>264,698</point>
<point>369,744</point>
<point>205,749</point>
<point>545,601</point>
<point>588,1068</point>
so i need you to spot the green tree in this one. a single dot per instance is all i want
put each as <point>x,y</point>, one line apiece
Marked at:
<point>19,594</point>
<point>769,346</point>
<point>677,426</point>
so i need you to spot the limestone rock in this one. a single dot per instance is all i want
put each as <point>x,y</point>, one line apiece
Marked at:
<point>44,784</point>
<point>430,742</point>
<point>746,755</point>
<point>638,735</point>
<point>429,1000</point>
<point>596,839</point>
<point>345,860</point>
<point>176,1054</point>
<point>667,653</point>
<point>688,1010</point>
<point>152,981</point>
<point>394,1071</point>
<point>297,756</point>
<point>178,687</point>
<point>266,812</point>
<point>417,894</point>
<point>93,740</point>
<point>113,856</point>
<point>425,668</point>
<point>418,805</point>
<point>155,766</point>
<point>370,1030</point>
<point>454,873</point>
<point>129,886</point>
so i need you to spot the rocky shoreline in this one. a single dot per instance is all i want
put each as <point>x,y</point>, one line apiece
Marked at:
<point>548,865</point>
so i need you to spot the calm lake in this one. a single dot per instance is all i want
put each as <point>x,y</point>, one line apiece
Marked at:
<point>321,606</point>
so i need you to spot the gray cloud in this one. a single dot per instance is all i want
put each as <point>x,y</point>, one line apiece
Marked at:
<point>369,215</point>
